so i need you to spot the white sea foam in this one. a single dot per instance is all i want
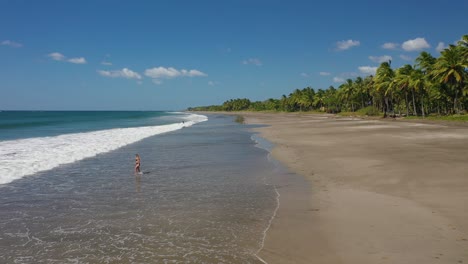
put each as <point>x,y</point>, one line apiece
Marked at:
<point>23,157</point>
<point>194,118</point>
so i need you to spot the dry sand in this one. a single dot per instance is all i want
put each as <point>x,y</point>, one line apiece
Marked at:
<point>377,191</point>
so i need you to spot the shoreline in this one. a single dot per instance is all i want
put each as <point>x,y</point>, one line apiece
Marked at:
<point>380,191</point>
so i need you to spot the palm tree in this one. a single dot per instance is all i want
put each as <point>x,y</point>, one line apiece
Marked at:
<point>368,87</point>
<point>450,69</point>
<point>284,103</point>
<point>331,99</point>
<point>360,89</point>
<point>348,92</point>
<point>294,99</point>
<point>403,78</point>
<point>319,99</point>
<point>436,95</point>
<point>307,97</point>
<point>425,61</point>
<point>384,83</point>
<point>419,83</point>
<point>463,44</point>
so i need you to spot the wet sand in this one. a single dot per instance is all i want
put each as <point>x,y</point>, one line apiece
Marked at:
<point>379,191</point>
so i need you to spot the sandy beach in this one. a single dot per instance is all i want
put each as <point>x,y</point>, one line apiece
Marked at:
<point>377,192</point>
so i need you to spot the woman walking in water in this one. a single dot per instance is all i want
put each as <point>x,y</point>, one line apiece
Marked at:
<point>137,164</point>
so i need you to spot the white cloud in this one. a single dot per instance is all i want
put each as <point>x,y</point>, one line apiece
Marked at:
<point>441,46</point>
<point>390,45</point>
<point>56,56</point>
<point>106,63</point>
<point>11,44</point>
<point>406,58</point>
<point>161,72</point>
<point>346,44</point>
<point>80,60</point>
<point>415,44</point>
<point>211,83</point>
<point>124,73</point>
<point>367,70</point>
<point>60,57</point>
<point>192,73</point>
<point>305,75</point>
<point>254,61</point>
<point>338,79</point>
<point>324,73</point>
<point>158,73</point>
<point>380,59</point>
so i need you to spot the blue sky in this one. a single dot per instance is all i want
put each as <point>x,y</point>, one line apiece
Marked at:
<point>169,55</point>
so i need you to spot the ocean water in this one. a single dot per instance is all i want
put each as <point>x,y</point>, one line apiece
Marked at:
<point>36,141</point>
<point>69,195</point>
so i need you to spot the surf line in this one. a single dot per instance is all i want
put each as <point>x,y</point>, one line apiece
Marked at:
<point>262,244</point>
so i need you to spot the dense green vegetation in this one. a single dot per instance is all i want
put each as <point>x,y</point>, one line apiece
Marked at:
<point>433,86</point>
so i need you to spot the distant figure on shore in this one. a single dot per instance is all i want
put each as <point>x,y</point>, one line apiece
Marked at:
<point>137,164</point>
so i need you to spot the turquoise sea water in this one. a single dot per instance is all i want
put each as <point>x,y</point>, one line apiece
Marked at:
<point>69,194</point>
<point>24,124</point>
<point>31,142</point>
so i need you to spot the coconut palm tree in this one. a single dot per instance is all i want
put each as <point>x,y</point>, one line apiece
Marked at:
<point>403,78</point>
<point>425,61</point>
<point>284,103</point>
<point>419,84</point>
<point>360,90</point>
<point>307,98</point>
<point>368,87</point>
<point>331,100</point>
<point>347,92</point>
<point>463,44</point>
<point>294,98</point>
<point>319,99</point>
<point>384,83</point>
<point>450,69</point>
